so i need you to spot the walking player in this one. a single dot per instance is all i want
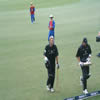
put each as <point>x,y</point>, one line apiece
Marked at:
<point>51,27</point>
<point>32,13</point>
<point>50,57</point>
<point>83,55</point>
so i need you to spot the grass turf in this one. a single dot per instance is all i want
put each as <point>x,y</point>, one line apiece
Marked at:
<point>22,71</point>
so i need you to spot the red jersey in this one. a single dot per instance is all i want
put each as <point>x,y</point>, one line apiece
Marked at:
<point>51,25</point>
<point>32,10</point>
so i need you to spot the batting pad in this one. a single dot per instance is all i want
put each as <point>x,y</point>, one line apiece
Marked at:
<point>82,97</point>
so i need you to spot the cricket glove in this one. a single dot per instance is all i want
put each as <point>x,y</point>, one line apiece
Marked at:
<point>45,59</point>
<point>57,66</point>
<point>81,64</point>
<point>88,59</point>
<point>47,63</point>
<point>90,55</point>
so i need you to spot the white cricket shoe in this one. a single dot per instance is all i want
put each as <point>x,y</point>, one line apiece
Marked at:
<point>85,91</point>
<point>52,90</point>
<point>48,89</point>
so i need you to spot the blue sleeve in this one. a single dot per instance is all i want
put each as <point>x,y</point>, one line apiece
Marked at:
<point>53,24</point>
<point>49,24</point>
<point>30,9</point>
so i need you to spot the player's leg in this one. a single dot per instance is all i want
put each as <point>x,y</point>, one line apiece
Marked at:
<point>49,35</point>
<point>52,83</point>
<point>31,18</point>
<point>84,83</point>
<point>48,83</point>
<point>49,80</point>
<point>53,79</point>
<point>84,72</point>
<point>81,80</point>
<point>86,76</point>
<point>34,18</point>
<point>87,72</point>
<point>84,80</point>
<point>52,33</point>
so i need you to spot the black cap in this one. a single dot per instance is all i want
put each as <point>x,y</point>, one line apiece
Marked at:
<point>85,40</point>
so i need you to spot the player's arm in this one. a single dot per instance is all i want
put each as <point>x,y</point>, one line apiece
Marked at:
<point>57,60</point>
<point>45,55</point>
<point>47,62</point>
<point>57,63</point>
<point>56,55</point>
<point>53,24</point>
<point>49,25</point>
<point>90,52</point>
<point>78,55</point>
<point>78,58</point>
<point>30,11</point>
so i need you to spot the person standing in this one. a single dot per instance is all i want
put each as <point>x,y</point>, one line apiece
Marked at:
<point>50,57</point>
<point>51,27</point>
<point>32,12</point>
<point>83,56</point>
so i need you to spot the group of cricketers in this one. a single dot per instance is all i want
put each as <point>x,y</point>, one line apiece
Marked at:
<point>51,54</point>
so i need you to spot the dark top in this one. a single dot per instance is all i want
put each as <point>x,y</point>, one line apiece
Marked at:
<point>84,52</point>
<point>51,53</point>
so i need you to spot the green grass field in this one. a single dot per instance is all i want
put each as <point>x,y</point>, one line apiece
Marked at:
<point>22,72</point>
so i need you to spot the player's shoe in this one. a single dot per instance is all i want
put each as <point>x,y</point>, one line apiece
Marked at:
<point>52,90</point>
<point>48,88</point>
<point>85,91</point>
<point>81,82</point>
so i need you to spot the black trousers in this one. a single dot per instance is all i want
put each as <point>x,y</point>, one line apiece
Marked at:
<point>51,76</point>
<point>85,73</point>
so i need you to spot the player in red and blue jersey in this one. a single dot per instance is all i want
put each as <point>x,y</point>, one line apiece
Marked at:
<point>51,27</point>
<point>32,13</point>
